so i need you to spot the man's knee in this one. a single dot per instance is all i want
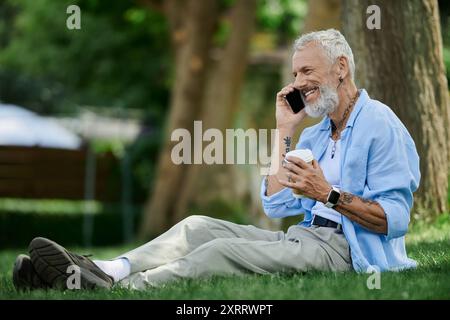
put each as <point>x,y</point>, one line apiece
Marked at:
<point>194,224</point>
<point>195,220</point>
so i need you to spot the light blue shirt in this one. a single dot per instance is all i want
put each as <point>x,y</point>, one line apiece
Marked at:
<point>379,161</point>
<point>331,168</point>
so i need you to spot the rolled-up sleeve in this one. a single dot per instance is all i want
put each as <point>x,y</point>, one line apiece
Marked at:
<point>392,176</point>
<point>281,204</point>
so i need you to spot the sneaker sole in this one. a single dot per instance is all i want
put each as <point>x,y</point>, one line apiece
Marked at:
<point>52,262</point>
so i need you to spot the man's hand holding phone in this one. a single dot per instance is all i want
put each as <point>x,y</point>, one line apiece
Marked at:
<point>287,122</point>
<point>286,118</point>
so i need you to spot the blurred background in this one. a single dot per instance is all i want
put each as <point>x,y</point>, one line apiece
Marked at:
<point>86,115</point>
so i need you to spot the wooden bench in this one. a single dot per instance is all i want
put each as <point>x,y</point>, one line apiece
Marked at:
<point>47,173</point>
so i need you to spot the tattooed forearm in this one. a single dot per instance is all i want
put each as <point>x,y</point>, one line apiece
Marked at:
<point>364,221</point>
<point>347,198</point>
<point>287,143</point>
<point>367,213</point>
<point>271,181</point>
<point>369,202</point>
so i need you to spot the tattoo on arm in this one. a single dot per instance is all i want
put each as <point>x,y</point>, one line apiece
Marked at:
<point>287,142</point>
<point>347,198</point>
<point>369,202</point>
<point>372,217</point>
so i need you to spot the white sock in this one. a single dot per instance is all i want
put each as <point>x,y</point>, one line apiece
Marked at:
<point>117,269</point>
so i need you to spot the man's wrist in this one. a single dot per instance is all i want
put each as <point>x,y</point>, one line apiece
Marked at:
<point>324,196</point>
<point>285,132</point>
<point>286,128</point>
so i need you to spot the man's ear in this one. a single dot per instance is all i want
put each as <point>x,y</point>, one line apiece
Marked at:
<point>344,69</point>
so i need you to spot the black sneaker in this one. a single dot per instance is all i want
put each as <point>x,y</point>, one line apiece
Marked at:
<point>25,276</point>
<point>58,267</point>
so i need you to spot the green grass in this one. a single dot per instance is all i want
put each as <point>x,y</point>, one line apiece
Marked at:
<point>56,206</point>
<point>429,245</point>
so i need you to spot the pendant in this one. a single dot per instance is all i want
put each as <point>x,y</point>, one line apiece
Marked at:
<point>333,150</point>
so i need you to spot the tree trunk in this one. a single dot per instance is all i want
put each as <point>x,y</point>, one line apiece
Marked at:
<point>401,65</point>
<point>193,23</point>
<point>205,183</point>
<point>323,14</point>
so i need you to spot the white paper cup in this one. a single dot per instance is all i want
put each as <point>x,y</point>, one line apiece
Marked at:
<point>304,154</point>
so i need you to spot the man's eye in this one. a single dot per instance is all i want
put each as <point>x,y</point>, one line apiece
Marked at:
<point>308,71</point>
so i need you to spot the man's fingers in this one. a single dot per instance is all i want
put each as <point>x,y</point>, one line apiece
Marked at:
<point>302,164</point>
<point>286,183</point>
<point>292,167</point>
<point>285,91</point>
<point>315,164</point>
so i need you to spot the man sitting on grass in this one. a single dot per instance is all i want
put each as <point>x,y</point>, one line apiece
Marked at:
<point>358,194</point>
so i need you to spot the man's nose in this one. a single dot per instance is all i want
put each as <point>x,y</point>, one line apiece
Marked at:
<point>300,82</point>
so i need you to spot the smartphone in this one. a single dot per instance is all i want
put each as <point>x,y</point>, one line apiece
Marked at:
<point>295,101</point>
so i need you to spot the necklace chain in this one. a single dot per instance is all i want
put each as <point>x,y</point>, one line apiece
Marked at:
<point>338,128</point>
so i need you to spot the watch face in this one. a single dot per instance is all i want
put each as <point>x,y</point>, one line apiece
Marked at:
<point>334,196</point>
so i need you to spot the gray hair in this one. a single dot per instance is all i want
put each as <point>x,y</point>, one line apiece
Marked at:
<point>332,42</point>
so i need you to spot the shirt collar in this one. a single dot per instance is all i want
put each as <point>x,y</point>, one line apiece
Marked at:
<point>362,99</point>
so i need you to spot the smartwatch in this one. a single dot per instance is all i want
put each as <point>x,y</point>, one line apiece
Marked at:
<point>333,197</point>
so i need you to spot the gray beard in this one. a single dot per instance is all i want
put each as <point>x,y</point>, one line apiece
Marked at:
<point>326,103</point>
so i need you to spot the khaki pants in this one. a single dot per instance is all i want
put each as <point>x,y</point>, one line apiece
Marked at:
<point>201,246</point>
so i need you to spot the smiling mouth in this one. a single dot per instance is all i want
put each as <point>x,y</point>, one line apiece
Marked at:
<point>309,91</point>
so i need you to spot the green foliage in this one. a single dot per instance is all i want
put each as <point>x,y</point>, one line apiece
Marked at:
<point>447,63</point>
<point>220,209</point>
<point>444,8</point>
<point>17,228</point>
<point>259,90</point>
<point>284,17</point>
<point>120,57</point>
